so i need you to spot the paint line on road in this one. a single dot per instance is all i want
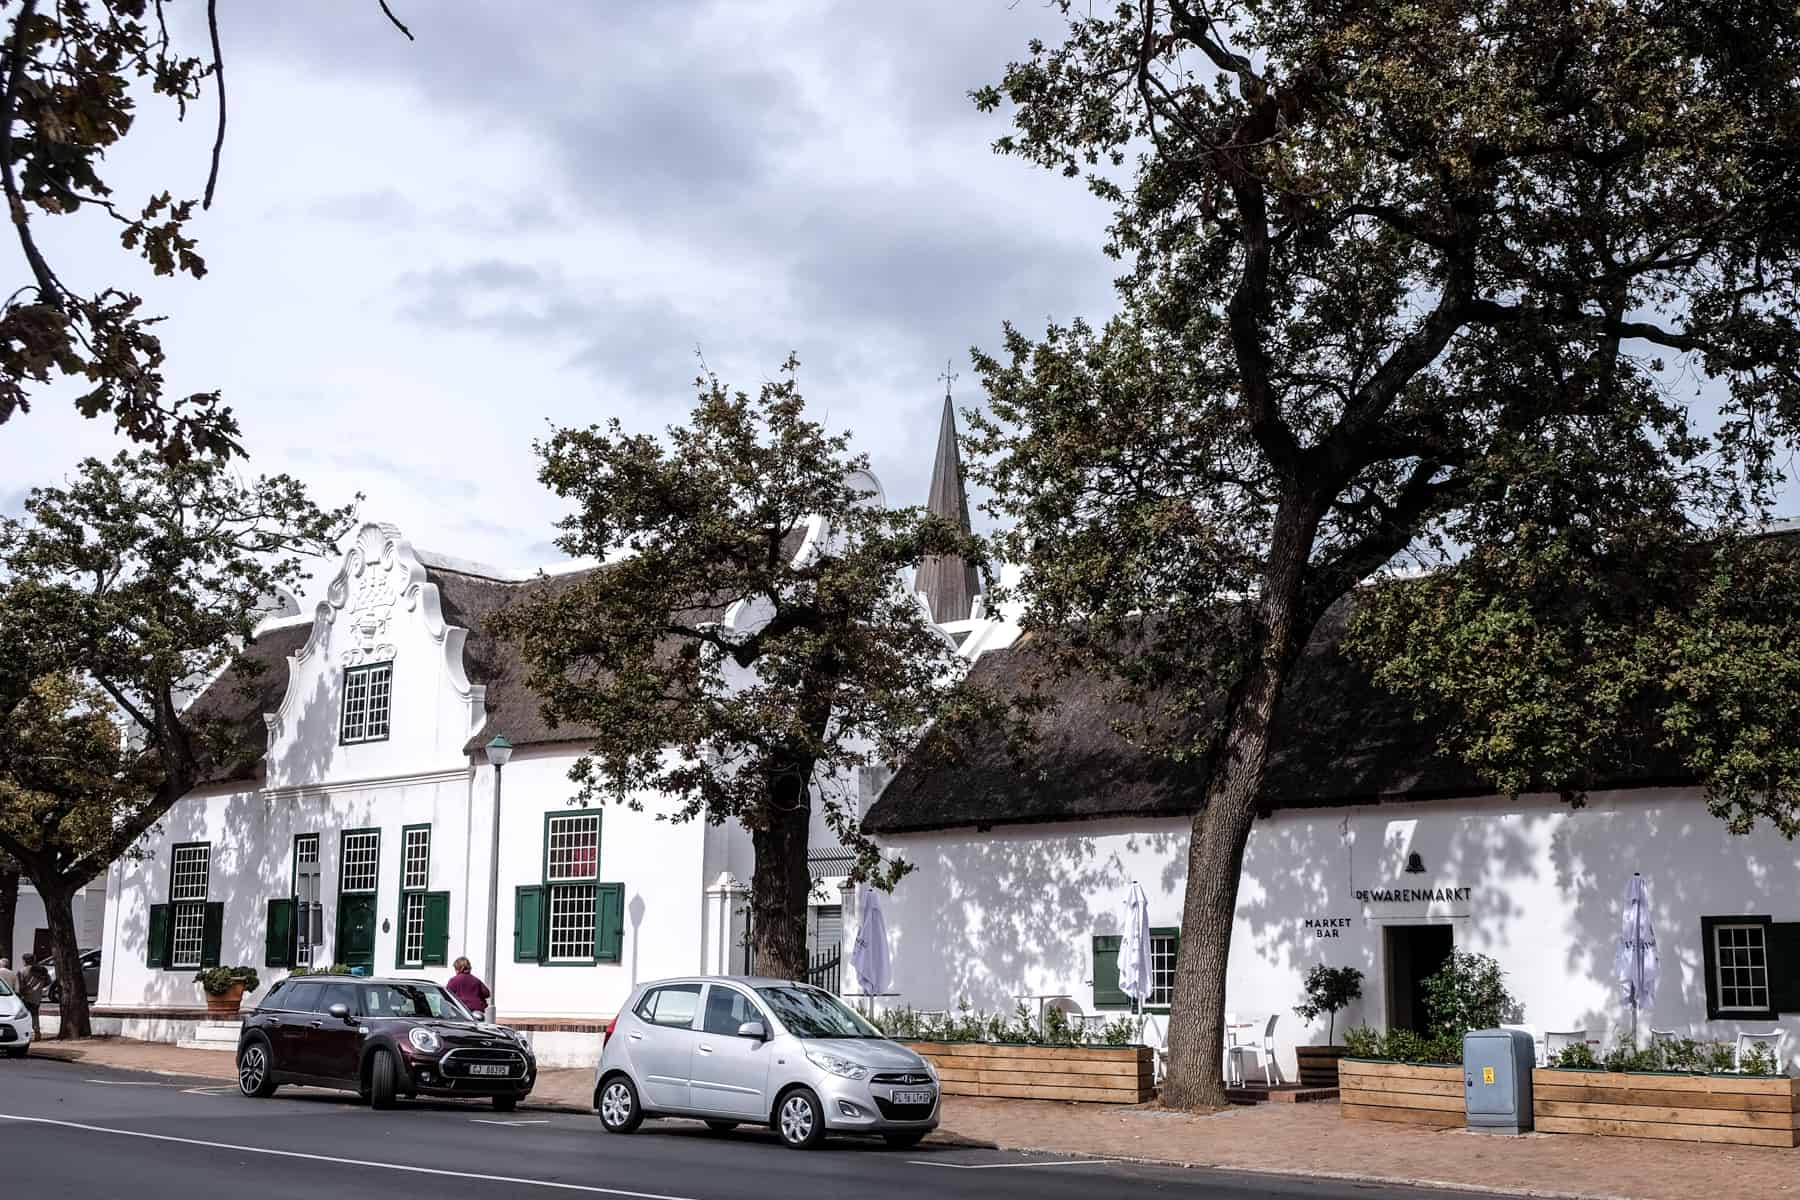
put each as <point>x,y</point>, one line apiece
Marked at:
<point>507,1124</point>
<point>347,1162</point>
<point>130,1083</point>
<point>1071,1162</point>
<point>221,1089</point>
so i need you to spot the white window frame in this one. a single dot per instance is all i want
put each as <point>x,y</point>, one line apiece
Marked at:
<point>412,929</point>
<point>1163,946</point>
<point>360,837</point>
<point>571,897</point>
<point>368,704</point>
<point>306,897</point>
<point>188,893</point>
<point>1719,950</point>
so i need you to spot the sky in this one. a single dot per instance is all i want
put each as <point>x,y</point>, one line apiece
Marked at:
<point>423,255</point>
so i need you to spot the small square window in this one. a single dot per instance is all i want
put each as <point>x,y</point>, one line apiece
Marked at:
<point>1740,958</point>
<point>368,694</point>
<point>1162,969</point>
<point>362,854</point>
<point>416,860</point>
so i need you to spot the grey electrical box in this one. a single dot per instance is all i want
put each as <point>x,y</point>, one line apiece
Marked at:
<point>1497,1067</point>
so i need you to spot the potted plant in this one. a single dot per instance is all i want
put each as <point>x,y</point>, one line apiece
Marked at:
<point>225,988</point>
<point>1327,990</point>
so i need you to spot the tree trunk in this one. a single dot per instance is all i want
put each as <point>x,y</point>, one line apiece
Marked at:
<point>782,880</point>
<point>59,913</point>
<point>1221,830</point>
<point>9,910</point>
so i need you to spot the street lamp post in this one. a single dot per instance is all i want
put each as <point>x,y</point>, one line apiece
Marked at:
<point>498,752</point>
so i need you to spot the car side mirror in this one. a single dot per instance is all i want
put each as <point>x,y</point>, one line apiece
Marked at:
<point>340,1011</point>
<point>753,1029</point>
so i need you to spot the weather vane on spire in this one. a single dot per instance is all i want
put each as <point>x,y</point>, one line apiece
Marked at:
<point>949,376</point>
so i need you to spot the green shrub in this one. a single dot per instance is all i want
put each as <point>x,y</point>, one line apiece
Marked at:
<point>1402,1045</point>
<point>1580,1056</point>
<point>218,981</point>
<point>1468,993</point>
<point>1328,989</point>
<point>1759,1060</point>
<point>1629,1058</point>
<point>1363,1042</point>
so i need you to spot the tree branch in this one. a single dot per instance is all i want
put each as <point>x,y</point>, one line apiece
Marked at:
<point>49,290</point>
<point>212,27</point>
<point>396,20</point>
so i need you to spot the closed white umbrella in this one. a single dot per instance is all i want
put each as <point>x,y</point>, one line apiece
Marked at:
<point>1134,947</point>
<point>870,956</point>
<point>1635,962</point>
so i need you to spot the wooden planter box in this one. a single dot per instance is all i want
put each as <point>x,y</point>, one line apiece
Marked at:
<point>1318,1065</point>
<point>1106,1074</point>
<point>1744,1110</point>
<point>1401,1092</point>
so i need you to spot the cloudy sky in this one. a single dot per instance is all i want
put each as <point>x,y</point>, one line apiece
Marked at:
<point>423,254</point>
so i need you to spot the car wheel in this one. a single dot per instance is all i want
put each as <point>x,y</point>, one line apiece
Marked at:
<point>16,1051</point>
<point>799,1119</point>
<point>903,1141</point>
<point>620,1111</point>
<point>721,1126</point>
<point>381,1080</point>
<point>256,1070</point>
<point>505,1103</point>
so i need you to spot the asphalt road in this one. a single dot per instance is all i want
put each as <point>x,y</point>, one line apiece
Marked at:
<point>82,1131</point>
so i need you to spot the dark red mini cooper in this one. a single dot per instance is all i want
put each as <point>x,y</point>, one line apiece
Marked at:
<point>380,1038</point>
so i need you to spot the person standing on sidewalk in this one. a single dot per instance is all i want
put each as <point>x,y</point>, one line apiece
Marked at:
<point>34,985</point>
<point>469,991</point>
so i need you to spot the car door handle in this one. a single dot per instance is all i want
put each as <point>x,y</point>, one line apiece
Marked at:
<point>317,1025</point>
<point>637,1037</point>
<point>706,1049</point>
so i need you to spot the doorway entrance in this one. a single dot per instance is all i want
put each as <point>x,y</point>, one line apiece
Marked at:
<point>356,930</point>
<point>1413,953</point>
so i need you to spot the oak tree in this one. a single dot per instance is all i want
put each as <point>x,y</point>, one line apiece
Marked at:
<point>751,643</point>
<point>1400,280</point>
<point>123,593</point>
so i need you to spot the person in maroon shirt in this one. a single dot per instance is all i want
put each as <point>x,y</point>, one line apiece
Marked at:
<point>469,991</point>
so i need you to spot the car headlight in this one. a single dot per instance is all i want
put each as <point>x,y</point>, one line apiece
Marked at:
<point>836,1065</point>
<point>423,1039</point>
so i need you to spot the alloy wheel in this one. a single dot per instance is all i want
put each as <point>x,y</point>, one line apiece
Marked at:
<point>253,1066</point>
<point>615,1104</point>
<point>796,1119</point>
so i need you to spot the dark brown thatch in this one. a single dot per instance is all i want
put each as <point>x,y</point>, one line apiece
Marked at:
<point>241,697</point>
<point>1339,740</point>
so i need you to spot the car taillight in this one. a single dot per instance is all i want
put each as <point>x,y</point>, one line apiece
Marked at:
<point>610,1026</point>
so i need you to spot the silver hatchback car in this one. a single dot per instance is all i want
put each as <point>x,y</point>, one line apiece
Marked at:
<point>734,1050</point>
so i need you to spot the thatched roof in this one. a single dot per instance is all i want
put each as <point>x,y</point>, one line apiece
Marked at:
<point>241,697</point>
<point>1339,740</point>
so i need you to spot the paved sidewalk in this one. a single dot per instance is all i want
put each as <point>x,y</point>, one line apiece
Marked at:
<point>1301,1139</point>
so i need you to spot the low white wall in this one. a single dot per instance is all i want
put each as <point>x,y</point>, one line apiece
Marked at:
<point>988,916</point>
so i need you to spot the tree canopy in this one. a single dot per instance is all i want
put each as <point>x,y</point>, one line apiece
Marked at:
<point>751,643</point>
<point>1402,281</point>
<point>123,593</point>
<point>70,78</point>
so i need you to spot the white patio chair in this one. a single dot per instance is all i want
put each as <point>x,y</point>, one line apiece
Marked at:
<point>1537,1042</point>
<point>1233,1074</point>
<point>1774,1041</point>
<point>1557,1040</point>
<point>1263,1053</point>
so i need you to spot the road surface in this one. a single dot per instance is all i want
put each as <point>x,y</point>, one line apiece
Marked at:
<point>82,1131</point>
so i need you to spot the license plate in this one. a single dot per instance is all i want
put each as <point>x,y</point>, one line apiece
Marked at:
<point>912,1097</point>
<point>488,1069</point>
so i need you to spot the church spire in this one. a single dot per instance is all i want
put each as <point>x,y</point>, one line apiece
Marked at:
<point>949,583</point>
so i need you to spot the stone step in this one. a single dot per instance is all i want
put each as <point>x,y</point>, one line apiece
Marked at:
<point>212,1035</point>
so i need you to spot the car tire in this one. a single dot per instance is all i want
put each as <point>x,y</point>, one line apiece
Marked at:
<point>505,1103</point>
<point>722,1126</point>
<point>800,1119</point>
<point>16,1051</point>
<point>381,1080</point>
<point>902,1141</point>
<point>618,1105</point>
<point>256,1069</point>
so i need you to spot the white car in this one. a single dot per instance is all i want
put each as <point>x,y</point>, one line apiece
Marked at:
<point>742,1051</point>
<point>15,1024</point>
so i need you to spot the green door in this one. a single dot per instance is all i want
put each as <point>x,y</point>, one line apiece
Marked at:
<point>356,930</point>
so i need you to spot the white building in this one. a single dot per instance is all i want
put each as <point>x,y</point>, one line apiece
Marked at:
<point>31,929</point>
<point>1374,852</point>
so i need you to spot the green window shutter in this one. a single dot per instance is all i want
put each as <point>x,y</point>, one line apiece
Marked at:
<point>156,945</point>
<point>1106,973</point>
<point>278,935</point>
<point>213,934</point>
<point>437,928</point>
<point>609,922</point>
<point>1784,966</point>
<point>528,924</point>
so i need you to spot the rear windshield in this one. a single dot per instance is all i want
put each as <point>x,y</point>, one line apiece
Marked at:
<point>4,990</point>
<point>809,1013</point>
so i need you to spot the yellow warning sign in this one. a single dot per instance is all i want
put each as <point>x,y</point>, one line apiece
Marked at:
<point>1487,1074</point>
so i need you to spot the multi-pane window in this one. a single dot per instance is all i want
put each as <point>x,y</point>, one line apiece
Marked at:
<point>308,921</point>
<point>1162,968</point>
<point>415,875</point>
<point>571,865</point>
<point>188,874</point>
<point>362,855</point>
<point>368,695</point>
<point>1741,960</point>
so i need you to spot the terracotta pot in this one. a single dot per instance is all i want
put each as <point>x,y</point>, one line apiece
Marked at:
<point>227,1005</point>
